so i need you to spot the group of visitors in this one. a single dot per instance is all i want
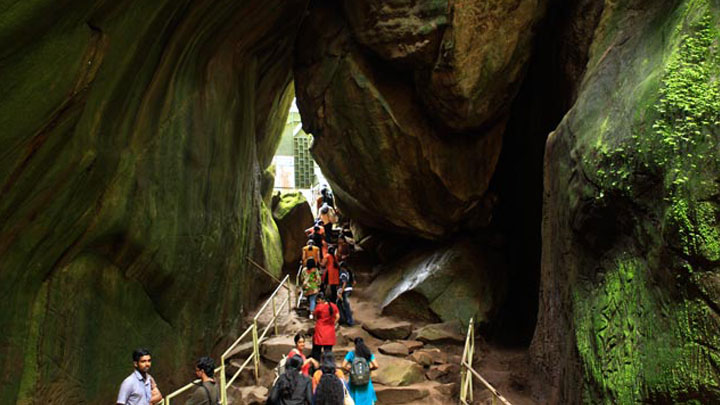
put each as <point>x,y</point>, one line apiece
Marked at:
<point>327,385</point>
<point>139,388</point>
<point>327,283</point>
<point>325,273</point>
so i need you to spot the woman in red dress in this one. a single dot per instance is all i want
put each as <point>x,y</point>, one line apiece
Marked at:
<point>326,316</point>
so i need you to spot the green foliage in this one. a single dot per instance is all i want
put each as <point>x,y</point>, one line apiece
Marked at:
<point>636,342</point>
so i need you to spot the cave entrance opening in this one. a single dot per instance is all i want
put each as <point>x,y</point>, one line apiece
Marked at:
<point>293,166</point>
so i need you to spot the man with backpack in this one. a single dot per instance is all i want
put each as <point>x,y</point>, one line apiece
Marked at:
<point>208,391</point>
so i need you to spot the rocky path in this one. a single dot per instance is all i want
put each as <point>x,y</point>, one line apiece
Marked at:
<point>418,364</point>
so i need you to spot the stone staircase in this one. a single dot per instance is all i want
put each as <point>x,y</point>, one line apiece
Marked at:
<point>418,364</point>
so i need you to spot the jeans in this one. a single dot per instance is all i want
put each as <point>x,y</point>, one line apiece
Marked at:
<point>312,300</point>
<point>345,311</point>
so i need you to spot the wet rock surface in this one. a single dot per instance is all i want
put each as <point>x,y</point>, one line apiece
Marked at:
<point>134,137</point>
<point>630,228</point>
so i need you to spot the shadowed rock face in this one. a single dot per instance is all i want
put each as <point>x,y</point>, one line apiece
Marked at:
<point>417,131</point>
<point>629,290</point>
<point>134,135</point>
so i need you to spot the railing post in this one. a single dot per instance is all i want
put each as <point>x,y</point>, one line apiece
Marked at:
<point>471,354</point>
<point>274,320</point>
<point>290,290</point>
<point>256,351</point>
<point>223,382</point>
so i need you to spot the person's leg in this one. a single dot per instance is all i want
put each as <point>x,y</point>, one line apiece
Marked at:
<point>316,352</point>
<point>346,306</point>
<point>333,293</point>
<point>327,348</point>
<point>341,308</point>
<point>328,232</point>
<point>312,299</point>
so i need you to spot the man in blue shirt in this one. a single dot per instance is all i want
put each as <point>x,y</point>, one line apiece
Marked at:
<point>139,388</point>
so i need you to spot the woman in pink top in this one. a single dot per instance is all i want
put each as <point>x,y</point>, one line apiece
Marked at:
<point>298,351</point>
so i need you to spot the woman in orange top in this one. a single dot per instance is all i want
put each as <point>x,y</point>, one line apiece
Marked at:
<point>311,252</point>
<point>331,276</point>
<point>327,365</point>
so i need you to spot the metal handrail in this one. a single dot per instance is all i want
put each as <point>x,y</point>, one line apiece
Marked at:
<point>256,340</point>
<point>468,372</point>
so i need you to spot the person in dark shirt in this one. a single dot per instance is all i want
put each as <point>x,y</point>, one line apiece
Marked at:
<point>208,391</point>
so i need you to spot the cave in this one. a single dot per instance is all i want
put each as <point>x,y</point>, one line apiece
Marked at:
<point>546,168</point>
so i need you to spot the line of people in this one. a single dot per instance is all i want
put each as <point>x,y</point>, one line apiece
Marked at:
<point>327,283</point>
<point>327,385</point>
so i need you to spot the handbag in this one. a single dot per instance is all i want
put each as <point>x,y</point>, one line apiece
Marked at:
<point>347,399</point>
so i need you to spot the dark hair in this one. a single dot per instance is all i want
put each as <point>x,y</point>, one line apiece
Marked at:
<point>298,337</point>
<point>361,349</point>
<point>288,381</point>
<point>331,249</point>
<point>321,296</point>
<point>207,365</point>
<point>342,264</point>
<point>316,227</point>
<point>138,353</point>
<point>327,363</point>
<point>310,242</point>
<point>330,389</point>
<point>324,209</point>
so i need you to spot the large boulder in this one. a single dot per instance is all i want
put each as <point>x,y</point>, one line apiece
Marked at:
<point>134,135</point>
<point>397,372</point>
<point>446,332</point>
<point>631,233</point>
<point>292,215</point>
<point>448,282</point>
<point>438,106</point>
<point>400,395</point>
<point>383,328</point>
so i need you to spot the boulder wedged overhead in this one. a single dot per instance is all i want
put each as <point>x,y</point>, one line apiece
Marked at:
<point>368,116</point>
<point>134,137</point>
<point>629,298</point>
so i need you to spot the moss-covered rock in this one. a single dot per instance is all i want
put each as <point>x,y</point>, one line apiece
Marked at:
<point>292,215</point>
<point>133,138</point>
<point>629,297</point>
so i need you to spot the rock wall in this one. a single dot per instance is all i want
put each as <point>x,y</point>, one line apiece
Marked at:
<point>629,289</point>
<point>134,139</point>
<point>415,96</point>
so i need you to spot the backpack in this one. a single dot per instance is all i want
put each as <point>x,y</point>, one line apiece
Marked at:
<point>280,368</point>
<point>359,371</point>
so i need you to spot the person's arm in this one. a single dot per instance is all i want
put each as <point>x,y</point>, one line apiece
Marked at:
<point>156,396</point>
<point>373,364</point>
<point>337,313</point>
<point>345,365</point>
<point>124,393</point>
<point>198,397</point>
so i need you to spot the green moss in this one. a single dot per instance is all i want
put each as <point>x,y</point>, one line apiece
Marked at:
<point>637,341</point>
<point>287,202</point>
<point>272,245</point>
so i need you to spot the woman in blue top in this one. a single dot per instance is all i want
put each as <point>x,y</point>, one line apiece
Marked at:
<point>361,394</point>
